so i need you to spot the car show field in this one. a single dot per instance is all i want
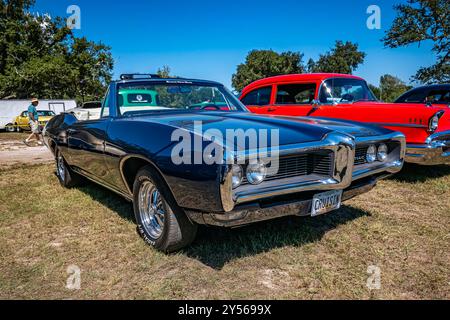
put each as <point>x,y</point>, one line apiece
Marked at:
<point>295,158</point>
<point>400,227</point>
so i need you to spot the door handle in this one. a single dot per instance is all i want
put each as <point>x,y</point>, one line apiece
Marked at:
<point>272,109</point>
<point>71,131</point>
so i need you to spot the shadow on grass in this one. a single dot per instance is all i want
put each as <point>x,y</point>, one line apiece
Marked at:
<point>415,173</point>
<point>109,199</point>
<point>215,247</point>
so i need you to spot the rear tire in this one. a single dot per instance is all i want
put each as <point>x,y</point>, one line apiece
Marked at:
<point>10,128</point>
<point>66,176</point>
<point>160,221</point>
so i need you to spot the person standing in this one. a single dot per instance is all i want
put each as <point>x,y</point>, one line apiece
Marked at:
<point>33,121</point>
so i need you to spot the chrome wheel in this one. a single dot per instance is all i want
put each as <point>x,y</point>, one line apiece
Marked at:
<point>60,167</point>
<point>151,209</point>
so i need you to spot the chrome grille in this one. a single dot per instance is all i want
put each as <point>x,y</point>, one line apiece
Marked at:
<point>302,165</point>
<point>360,155</point>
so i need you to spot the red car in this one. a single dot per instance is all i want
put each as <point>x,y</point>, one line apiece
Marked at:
<point>329,95</point>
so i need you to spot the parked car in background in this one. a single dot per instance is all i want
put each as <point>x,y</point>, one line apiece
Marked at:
<point>130,150</point>
<point>9,109</point>
<point>20,123</point>
<point>340,96</point>
<point>88,110</point>
<point>438,94</point>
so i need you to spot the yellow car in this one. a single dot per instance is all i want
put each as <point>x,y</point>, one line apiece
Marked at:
<point>21,121</point>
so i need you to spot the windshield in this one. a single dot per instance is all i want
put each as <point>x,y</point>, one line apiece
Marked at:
<point>181,95</point>
<point>46,113</point>
<point>345,90</point>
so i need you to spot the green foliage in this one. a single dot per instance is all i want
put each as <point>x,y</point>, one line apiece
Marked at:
<point>390,88</point>
<point>266,63</point>
<point>424,20</point>
<point>375,90</point>
<point>343,58</point>
<point>164,72</point>
<point>40,56</point>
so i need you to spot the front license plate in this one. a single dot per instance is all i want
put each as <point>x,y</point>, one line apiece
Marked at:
<point>326,202</point>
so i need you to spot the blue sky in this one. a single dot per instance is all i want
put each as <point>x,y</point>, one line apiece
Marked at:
<point>208,39</point>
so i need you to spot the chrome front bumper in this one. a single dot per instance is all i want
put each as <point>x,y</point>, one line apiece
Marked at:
<point>435,151</point>
<point>254,212</point>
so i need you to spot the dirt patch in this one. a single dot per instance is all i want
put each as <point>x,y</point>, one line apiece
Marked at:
<point>15,152</point>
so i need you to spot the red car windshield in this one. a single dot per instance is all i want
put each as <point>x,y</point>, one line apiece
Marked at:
<point>345,90</point>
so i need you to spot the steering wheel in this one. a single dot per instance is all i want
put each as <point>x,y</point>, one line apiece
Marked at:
<point>347,97</point>
<point>205,107</point>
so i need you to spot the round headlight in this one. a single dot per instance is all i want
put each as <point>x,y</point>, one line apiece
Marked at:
<point>434,123</point>
<point>256,173</point>
<point>237,175</point>
<point>371,154</point>
<point>382,153</point>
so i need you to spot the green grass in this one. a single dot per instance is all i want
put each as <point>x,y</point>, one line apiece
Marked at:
<point>402,226</point>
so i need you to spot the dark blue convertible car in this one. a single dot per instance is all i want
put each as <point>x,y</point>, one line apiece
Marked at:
<point>187,152</point>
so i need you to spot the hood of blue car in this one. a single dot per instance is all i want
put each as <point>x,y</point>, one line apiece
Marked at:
<point>290,132</point>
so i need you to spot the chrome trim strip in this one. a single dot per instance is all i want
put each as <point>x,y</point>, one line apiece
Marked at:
<point>437,135</point>
<point>391,167</point>
<point>128,156</point>
<point>395,136</point>
<point>101,183</point>
<point>403,125</point>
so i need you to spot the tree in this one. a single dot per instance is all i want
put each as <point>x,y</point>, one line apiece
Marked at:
<point>92,63</point>
<point>391,88</point>
<point>266,63</point>
<point>40,56</point>
<point>424,20</point>
<point>343,58</point>
<point>164,72</point>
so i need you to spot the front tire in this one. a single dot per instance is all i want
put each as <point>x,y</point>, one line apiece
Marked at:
<point>66,176</point>
<point>160,221</point>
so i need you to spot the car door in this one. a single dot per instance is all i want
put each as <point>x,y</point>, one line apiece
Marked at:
<point>86,144</point>
<point>294,99</point>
